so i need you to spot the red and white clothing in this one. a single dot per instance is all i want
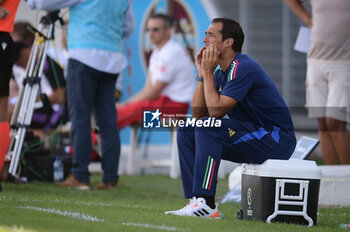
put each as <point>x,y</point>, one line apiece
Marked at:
<point>173,65</point>
<point>133,113</point>
<point>170,64</point>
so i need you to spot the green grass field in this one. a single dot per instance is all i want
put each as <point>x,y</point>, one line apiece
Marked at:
<point>138,204</point>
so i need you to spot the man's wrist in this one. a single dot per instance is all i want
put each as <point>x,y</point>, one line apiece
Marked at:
<point>199,78</point>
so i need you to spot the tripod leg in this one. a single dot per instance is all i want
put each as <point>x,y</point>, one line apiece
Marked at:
<point>24,110</point>
<point>17,151</point>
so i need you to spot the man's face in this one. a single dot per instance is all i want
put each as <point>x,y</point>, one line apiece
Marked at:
<point>157,31</point>
<point>213,36</point>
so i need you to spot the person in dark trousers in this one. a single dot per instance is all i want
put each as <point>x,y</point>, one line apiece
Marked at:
<point>251,120</point>
<point>95,31</point>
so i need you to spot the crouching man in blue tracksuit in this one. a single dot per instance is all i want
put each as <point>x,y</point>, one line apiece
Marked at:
<point>257,125</point>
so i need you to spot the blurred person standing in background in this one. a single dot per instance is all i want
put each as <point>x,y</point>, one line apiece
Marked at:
<point>8,9</point>
<point>328,74</point>
<point>95,30</point>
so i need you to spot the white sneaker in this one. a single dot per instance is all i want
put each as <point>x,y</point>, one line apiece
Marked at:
<point>201,209</point>
<point>185,210</point>
<point>198,208</point>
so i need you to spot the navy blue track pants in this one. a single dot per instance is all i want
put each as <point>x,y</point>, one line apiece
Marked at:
<point>202,148</point>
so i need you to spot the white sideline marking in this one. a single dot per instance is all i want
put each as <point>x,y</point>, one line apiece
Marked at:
<point>152,226</point>
<point>75,215</point>
<point>113,205</point>
<point>3,198</point>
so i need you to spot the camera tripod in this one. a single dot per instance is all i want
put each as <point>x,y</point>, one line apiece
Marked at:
<point>22,115</point>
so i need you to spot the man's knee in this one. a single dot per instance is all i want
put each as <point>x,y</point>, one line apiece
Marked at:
<point>209,126</point>
<point>183,133</point>
<point>322,126</point>
<point>205,128</point>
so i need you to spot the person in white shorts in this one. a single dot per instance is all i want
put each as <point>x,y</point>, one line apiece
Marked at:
<point>328,74</point>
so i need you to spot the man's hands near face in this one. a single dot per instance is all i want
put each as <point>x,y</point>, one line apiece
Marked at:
<point>210,59</point>
<point>199,61</point>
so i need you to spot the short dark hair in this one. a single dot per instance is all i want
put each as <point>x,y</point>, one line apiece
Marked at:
<point>25,36</point>
<point>231,29</point>
<point>168,22</point>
